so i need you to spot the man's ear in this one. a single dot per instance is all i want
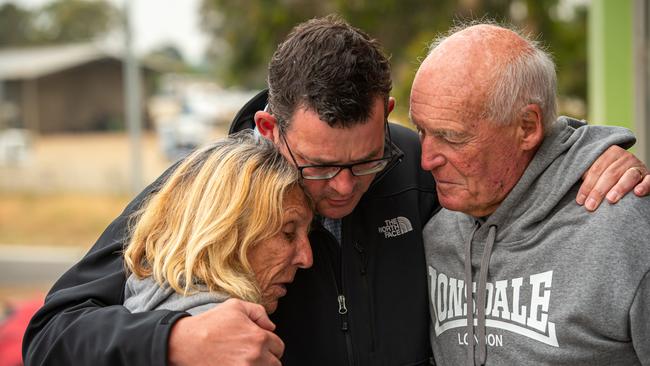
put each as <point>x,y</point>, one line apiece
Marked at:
<point>531,128</point>
<point>391,105</point>
<point>267,125</point>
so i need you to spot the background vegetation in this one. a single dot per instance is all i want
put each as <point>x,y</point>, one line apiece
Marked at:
<point>244,34</point>
<point>61,21</point>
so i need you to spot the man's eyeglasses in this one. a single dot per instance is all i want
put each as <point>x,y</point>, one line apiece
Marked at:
<point>329,171</point>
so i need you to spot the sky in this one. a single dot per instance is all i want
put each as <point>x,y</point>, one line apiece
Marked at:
<point>157,23</point>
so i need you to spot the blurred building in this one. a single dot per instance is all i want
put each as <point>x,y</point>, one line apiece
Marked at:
<point>64,88</point>
<point>191,110</point>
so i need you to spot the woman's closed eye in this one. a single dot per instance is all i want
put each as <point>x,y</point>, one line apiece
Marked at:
<point>289,235</point>
<point>289,231</point>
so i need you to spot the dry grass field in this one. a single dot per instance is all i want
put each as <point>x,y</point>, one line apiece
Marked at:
<point>71,187</point>
<point>56,218</point>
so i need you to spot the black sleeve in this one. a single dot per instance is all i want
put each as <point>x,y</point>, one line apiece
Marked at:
<point>83,321</point>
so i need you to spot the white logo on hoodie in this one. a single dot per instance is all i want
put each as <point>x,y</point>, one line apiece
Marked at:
<point>505,307</point>
<point>396,227</point>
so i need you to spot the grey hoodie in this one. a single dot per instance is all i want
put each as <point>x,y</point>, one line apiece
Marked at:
<point>561,286</point>
<point>145,294</point>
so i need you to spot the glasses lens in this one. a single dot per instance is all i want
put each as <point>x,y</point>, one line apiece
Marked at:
<point>320,172</point>
<point>369,167</point>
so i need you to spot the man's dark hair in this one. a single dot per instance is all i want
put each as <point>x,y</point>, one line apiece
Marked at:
<point>329,67</point>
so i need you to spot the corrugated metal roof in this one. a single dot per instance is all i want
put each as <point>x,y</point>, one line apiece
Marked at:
<point>29,63</point>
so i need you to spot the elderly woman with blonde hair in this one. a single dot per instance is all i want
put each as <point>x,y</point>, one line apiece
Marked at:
<point>231,221</point>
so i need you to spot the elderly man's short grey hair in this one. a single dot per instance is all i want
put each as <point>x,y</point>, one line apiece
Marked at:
<point>529,78</point>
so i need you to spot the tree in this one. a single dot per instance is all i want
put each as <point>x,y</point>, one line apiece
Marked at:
<point>61,21</point>
<point>15,26</point>
<point>246,32</point>
<point>76,20</point>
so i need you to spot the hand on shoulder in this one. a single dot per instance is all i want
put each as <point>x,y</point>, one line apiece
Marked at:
<point>233,333</point>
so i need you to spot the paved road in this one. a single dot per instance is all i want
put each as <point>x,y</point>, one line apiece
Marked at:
<point>35,265</point>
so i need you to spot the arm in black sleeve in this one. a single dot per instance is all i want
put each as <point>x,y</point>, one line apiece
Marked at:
<point>83,321</point>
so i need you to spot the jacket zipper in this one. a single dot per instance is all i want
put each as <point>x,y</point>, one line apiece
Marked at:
<point>343,312</point>
<point>341,301</point>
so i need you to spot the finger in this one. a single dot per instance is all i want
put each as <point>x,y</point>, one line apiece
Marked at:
<point>270,361</point>
<point>643,188</point>
<point>257,314</point>
<point>589,181</point>
<point>593,174</point>
<point>605,182</point>
<point>275,345</point>
<point>630,178</point>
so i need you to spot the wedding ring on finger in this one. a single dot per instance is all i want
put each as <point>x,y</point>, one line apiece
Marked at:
<point>641,171</point>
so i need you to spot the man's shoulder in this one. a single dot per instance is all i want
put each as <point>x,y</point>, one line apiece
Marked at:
<point>618,232</point>
<point>630,210</point>
<point>404,137</point>
<point>629,215</point>
<point>446,224</point>
<point>407,174</point>
<point>408,143</point>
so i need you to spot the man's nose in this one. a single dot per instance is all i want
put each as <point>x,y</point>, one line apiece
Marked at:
<point>431,157</point>
<point>343,183</point>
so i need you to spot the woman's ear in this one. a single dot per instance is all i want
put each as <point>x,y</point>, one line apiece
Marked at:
<point>531,127</point>
<point>267,125</point>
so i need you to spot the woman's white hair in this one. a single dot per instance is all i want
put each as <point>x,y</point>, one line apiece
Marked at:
<point>528,78</point>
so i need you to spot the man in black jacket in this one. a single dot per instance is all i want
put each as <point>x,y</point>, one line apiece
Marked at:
<point>364,301</point>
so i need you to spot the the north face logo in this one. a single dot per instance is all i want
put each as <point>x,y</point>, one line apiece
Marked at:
<point>396,227</point>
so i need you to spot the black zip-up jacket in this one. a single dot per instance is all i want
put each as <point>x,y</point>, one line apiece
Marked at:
<point>363,302</point>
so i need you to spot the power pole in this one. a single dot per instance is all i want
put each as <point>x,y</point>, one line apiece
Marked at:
<point>132,103</point>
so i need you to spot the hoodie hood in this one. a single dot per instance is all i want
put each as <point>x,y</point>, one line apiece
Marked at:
<point>559,163</point>
<point>146,294</point>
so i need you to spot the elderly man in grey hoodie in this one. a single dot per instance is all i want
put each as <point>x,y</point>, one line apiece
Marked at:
<point>549,283</point>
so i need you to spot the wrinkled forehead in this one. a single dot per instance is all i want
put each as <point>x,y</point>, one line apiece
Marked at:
<point>317,141</point>
<point>448,92</point>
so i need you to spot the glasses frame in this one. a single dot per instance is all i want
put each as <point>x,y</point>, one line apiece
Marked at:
<point>388,146</point>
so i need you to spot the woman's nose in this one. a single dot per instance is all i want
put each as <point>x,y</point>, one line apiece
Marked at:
<point>304,257</point>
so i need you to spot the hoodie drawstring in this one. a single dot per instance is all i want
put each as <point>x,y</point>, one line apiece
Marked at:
<point>468,296</point>
<point>482,284</point>
<point>481,289</point>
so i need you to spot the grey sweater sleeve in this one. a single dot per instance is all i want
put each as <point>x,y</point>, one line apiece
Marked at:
<point>640,321</point>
